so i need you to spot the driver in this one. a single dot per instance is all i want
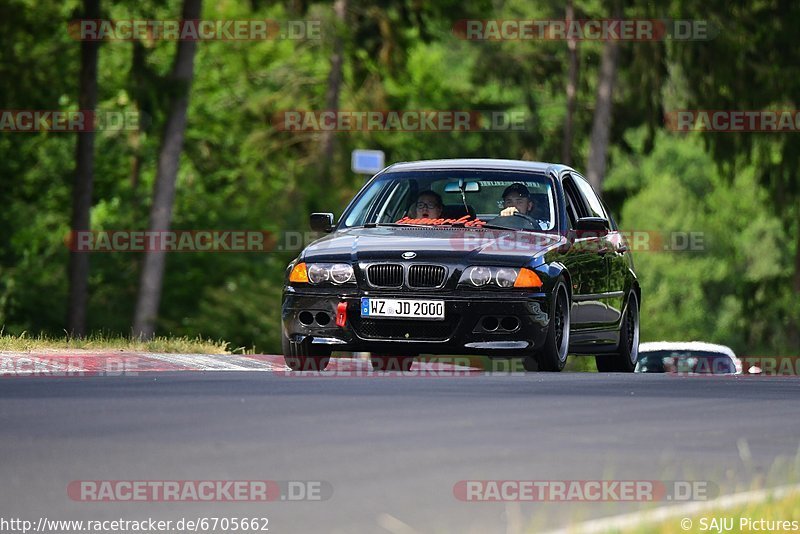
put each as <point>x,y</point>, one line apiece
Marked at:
<point>517,199</point>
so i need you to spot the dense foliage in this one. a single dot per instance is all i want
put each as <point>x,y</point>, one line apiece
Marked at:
<point>239,172</point>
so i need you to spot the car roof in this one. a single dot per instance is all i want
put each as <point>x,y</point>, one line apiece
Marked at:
<point>474,163</point>
<point>685,345</point>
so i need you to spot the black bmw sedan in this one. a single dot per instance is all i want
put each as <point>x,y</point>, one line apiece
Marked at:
<point>507,259</point>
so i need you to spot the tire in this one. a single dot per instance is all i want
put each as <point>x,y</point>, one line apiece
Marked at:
<point>623,360</point>
<point>391,363</point>
<point>530,364</point>
<point>553,354</point>
<point>304,356</point>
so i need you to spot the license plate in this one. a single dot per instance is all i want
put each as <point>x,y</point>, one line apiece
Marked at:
<point>402,309</point>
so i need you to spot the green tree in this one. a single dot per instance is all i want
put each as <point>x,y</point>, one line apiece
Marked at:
<point>152,276</point>
<point>84,179</point>
<point>748,65</point>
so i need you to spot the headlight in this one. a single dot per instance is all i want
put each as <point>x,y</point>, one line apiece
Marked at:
<point>505,277</point>
<point>479,276</point>
<point>341,273</point>
<point>336,273</point>
<point>318,274</point>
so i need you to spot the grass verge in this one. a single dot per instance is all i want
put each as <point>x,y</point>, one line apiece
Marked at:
<point>197,345</point>
<point>765,516</point>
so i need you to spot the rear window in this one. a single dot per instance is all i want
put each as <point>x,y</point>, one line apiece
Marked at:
<point>699,362</point>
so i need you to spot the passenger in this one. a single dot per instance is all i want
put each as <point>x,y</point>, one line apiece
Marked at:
<point>429,205</point>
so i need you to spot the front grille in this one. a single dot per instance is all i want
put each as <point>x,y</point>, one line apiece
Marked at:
<point>426,275</point>
<point>397,329</point>
<point>385,275</point>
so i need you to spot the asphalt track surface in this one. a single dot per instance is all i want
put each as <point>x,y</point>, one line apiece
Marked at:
<point>390,448</point>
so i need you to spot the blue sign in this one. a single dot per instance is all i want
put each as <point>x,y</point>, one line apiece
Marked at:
<point>367,161</point>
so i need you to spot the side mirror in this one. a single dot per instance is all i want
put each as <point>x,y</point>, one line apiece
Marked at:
<point>596,225</point>
<point>322,222</point>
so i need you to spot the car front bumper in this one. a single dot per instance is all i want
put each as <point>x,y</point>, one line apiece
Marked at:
<point>312,313</point>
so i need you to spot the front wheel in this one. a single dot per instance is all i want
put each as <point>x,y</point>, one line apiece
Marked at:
<point>304,356</point>
<point>553,354</point>
<point>624,359</point>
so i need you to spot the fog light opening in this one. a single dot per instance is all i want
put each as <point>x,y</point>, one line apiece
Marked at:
<point>489,324</point>
<point>509,323</point>
<point>306,317</point>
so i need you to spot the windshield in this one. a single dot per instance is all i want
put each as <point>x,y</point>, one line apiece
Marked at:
<point>457,198</point>
<point>701,362</point>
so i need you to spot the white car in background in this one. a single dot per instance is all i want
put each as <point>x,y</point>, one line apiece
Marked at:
<point>687,357</point>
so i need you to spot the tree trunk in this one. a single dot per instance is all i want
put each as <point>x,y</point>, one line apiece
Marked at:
<point>793,331</point>
<point>572,92</point>
<point>334,87</point>
<point>601,124</point>
<point>138,77</point>
<point>84,177</point>
<point>152,276</point>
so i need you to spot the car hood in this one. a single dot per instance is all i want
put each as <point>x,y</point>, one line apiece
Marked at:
<point>441,244</point>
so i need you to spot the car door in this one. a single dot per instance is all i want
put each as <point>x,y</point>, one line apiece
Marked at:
<point>608,300</point>
<point>619,265</point>
<point>587,265</point>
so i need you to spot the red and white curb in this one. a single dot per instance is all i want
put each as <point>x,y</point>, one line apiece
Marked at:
<point>88,363</point>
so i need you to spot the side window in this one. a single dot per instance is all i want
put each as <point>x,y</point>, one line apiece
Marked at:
<point>571,201</point>
<point>593,202</point>
<point>366,204</point>
<point>394,206</point>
